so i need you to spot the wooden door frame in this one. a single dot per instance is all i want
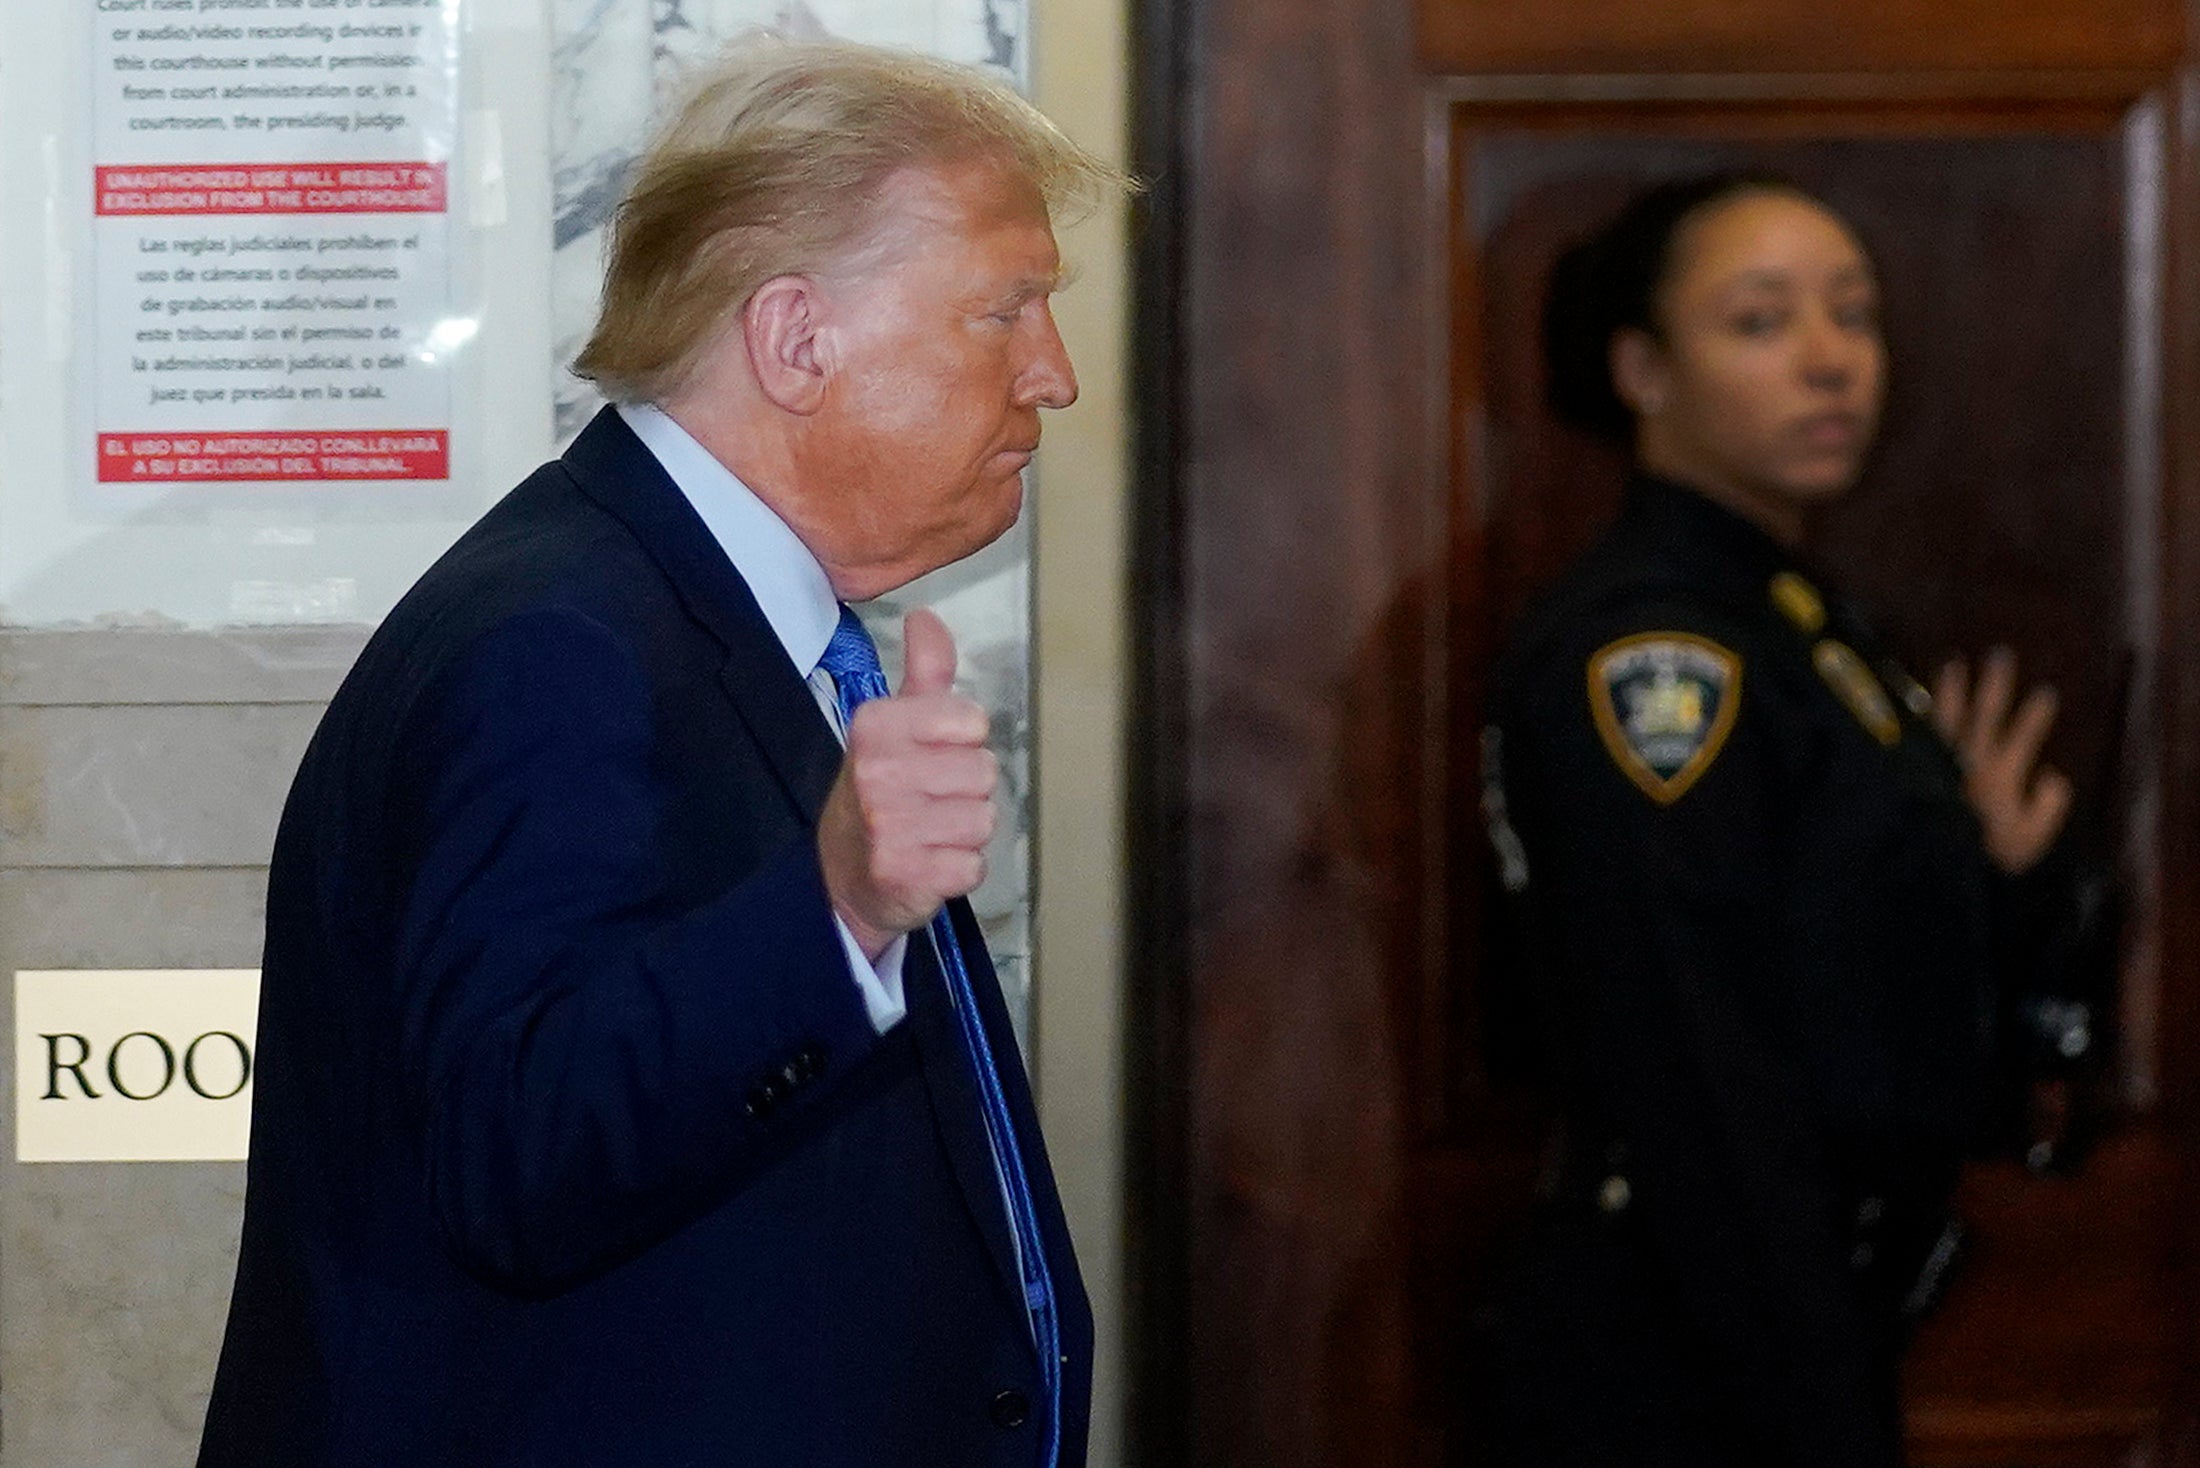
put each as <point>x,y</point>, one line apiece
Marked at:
<point>1189,89</point>
<point>1157,1269</point>
<point>1179,114</point>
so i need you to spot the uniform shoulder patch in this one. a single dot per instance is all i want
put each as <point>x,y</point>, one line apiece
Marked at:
<point>1854,683</point>
<point>1664,703</point>
<point>1799,602</point>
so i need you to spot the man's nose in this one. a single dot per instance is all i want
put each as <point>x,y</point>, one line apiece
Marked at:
<point>1048,380</point>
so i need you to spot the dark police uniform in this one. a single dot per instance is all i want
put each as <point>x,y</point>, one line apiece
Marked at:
<point>1757,927</point>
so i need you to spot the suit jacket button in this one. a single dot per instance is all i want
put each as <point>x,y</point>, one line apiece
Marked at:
<point>760,1103</point>
<point>1010,1408</point>
<point>809,1062</point>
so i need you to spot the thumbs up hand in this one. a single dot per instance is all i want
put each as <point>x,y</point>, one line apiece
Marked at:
<point>906,824</point>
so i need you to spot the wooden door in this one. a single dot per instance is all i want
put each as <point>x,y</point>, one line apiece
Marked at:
<point>1351,487</point>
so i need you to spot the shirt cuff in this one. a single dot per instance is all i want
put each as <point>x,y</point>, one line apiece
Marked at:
<point>879,983</point>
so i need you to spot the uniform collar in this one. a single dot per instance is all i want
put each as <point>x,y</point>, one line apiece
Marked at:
<point>1713,540</point>
<point>1693,517</point>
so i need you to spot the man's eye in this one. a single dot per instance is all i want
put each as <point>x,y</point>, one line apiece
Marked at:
<point>1757,323</point>
<point>1863,316</point>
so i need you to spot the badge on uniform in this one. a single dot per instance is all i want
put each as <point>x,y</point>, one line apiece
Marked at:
<point>1664,703</point>
<point>1853,682</point>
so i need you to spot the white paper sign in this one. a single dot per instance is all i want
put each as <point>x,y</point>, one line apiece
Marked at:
<point>134,1065</point>
<point>272,240</point>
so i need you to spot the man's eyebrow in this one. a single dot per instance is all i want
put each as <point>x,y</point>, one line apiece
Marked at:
<point>1032,287</point>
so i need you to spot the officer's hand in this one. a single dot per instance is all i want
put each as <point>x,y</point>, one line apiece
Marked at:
<point>906,824</point>
<point>2021,803</point>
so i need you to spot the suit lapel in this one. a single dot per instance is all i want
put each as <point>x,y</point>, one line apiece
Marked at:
<point>612,467</point>
<point>956,1105</point>
<point>780,712</point>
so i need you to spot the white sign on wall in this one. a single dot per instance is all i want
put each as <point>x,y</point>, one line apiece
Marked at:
<point>272,205</point>
<point>134,1065</point>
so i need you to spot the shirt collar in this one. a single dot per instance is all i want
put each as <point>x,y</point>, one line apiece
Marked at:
<point>789,585</point>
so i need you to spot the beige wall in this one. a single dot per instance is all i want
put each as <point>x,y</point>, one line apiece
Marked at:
<point>1081,676</point>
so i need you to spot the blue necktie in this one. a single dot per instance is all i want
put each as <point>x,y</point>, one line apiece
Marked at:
<point>853,662</point>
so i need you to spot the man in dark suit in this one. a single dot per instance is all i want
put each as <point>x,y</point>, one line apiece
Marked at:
<point>621,1099</point>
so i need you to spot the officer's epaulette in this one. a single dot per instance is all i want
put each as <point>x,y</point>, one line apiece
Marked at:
<point>1844,671</point>
<point>1799,602</point>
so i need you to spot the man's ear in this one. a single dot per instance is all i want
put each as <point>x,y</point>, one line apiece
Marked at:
<point>1639,373</point>
<point>780,327</point>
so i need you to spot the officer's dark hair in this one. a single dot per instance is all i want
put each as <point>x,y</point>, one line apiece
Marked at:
<point>1610,282</point>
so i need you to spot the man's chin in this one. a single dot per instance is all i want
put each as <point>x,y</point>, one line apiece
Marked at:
<point>1004,507</point>
<point>994,529</point>
<point>956,543</point>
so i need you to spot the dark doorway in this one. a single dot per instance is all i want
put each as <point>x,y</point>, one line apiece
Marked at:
<point>1349,487</point>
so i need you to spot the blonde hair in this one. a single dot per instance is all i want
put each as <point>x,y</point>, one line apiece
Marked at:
<point>774,166</point>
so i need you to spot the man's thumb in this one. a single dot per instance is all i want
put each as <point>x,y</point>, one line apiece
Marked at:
<point>928,653</point>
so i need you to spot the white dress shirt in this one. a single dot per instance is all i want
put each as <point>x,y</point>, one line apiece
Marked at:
<point>791,590</point>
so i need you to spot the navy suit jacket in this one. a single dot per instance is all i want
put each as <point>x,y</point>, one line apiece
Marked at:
<point>572,1143</point>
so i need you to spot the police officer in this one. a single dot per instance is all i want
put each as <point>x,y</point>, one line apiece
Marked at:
<point>1761,872</point>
